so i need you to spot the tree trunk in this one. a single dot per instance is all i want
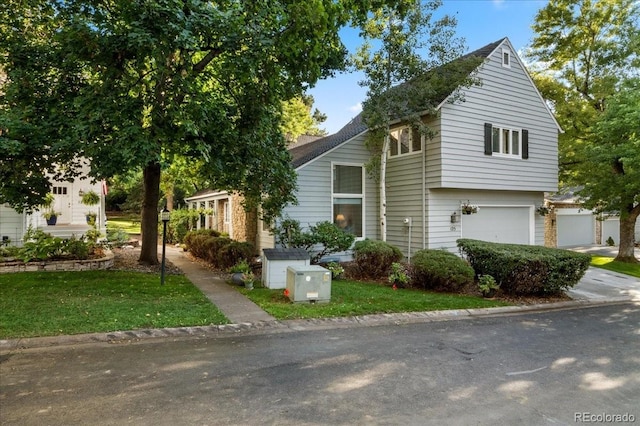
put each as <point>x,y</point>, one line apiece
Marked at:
<point>627,230</point>
<point>149,224</point>
<point>383,187</point>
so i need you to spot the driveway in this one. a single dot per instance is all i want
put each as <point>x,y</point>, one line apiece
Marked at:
<point>602,285</point>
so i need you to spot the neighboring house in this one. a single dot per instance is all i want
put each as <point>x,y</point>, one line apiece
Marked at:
<point>569,224</point>
<point>497,150</point>
<point>72,221</point>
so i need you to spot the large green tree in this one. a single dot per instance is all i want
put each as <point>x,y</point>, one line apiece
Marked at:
<point>403,58</point>
<point>586,49</point>
<point>126,83</point>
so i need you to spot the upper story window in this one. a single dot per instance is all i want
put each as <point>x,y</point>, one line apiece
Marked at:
<point>505,141</point>
<point>404,141</point>
<point>506,58</point>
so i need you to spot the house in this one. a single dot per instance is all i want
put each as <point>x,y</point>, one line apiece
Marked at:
<point>72,220</point>
<point>569,224</point>
<point>497,150</point>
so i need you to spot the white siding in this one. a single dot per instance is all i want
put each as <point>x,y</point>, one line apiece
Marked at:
<point>11,224</point>
<point>314,183</point>
<point>506,98</point>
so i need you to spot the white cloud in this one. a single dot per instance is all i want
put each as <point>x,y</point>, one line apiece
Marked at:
<point>356,108</point>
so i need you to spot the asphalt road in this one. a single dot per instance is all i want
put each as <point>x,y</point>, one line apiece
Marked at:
<point>532,369</point>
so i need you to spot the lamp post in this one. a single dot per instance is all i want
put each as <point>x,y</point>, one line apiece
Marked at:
<point>165,215</point>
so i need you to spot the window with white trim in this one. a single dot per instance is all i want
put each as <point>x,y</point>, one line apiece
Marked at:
<point>506,141</point>
<point>506,58</point>
<point>403,141</point>
<point>348,198</point>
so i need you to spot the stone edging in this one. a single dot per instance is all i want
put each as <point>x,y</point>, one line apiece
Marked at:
<point>105,262</point>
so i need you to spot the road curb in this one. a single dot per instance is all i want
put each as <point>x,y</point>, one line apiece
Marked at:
<point>265,327</point>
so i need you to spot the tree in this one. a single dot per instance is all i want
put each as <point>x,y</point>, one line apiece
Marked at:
<point>612,164</point>
<point>400,86</point>
<point>297,118</point>
<point>588,48</point>
<point>124,83</point>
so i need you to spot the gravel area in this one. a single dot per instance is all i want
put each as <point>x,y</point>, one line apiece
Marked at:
<point>126,259</point>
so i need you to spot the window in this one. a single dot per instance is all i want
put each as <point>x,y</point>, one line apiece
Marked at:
<point>348,197</point>
<point>506,141</point>
<point>506,58</point>
<point>59,190</point>
<point>226,212</point>
<point>404,141</point>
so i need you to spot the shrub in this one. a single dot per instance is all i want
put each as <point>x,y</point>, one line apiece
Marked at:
<point>399,275</point>
<point>78,249</point>
<point>233,252</point>
<point>440,270</point>
<point>221,252</point>
<point>321,240</point>
<point>116,236</point>
<point>525,270</point>
<point>373,258</point>
<point>189,236</point>
<point>182,221</point>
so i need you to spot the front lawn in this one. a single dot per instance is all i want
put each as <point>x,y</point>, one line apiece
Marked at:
<point>56,303</point>
<point>358,298</point>
<point>608,263</point>
<point>130,223</point>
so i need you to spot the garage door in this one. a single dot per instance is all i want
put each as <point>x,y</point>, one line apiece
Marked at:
<point>499,224</point>
<point>611,228</point>
<point>575,229</point>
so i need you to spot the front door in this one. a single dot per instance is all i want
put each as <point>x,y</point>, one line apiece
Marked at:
<point>62,202</point>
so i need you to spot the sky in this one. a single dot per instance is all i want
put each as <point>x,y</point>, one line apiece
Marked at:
<point>480,22</point>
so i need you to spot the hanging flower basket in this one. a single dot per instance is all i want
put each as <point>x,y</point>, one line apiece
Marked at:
<point>543,210</point>
<point>468,208</point>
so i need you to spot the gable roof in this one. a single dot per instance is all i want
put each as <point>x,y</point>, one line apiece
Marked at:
<point>311,150</point>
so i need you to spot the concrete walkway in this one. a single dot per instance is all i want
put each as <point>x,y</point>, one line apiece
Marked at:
<point>236,307</point>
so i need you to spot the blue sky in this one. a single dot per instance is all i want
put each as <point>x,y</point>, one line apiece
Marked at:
<point>480,22</point>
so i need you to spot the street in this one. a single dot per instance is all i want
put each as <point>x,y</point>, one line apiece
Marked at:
<point>560,367</point>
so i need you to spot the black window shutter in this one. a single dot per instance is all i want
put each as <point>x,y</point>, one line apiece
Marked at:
<point>488,146</point>
<point>525,144</point>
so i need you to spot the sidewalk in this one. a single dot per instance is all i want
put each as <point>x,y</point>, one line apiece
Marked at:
<point>236,307</point>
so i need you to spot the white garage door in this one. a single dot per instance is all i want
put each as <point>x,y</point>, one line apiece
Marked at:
<point>499,225</point>
<point>575,229</point>
<point>611,228</point>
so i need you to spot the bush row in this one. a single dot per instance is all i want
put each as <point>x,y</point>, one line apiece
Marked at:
<point>221,252</point>
<point>523,269</point>
<point>40,245</point>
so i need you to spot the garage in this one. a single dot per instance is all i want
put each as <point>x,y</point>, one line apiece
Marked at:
<point>575,229</point>
<point>499,224</point>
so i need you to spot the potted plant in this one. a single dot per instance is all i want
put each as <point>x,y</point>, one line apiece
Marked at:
<point>238,270</point>
<point>90,198</point>
<point>488,285</point>
<point>336,270</point>
<point>247,279</point>
<point>50,214</point>
<point>468,208</point>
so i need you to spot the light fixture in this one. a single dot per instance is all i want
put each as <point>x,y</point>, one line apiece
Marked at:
<point>455,218</point>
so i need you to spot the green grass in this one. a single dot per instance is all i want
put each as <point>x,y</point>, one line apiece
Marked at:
<point>357,298</point>
<point>55,303</point>
<point>608,263</point>
<point>129,222</point>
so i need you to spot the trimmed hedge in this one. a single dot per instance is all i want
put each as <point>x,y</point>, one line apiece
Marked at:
<point>373,258</point>
<point>440,270</point>
<point>525,270</point>
<point>221,252</point>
